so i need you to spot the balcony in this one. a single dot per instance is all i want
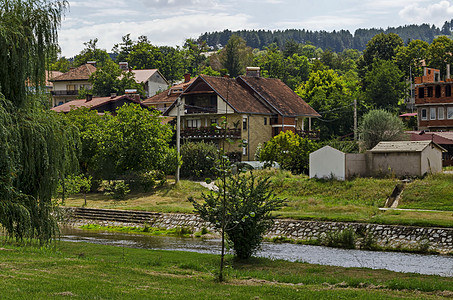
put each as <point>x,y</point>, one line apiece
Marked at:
<point>309,134</point>
<point>210,133</point>
<point>191,109</point>
<point>65,93</point>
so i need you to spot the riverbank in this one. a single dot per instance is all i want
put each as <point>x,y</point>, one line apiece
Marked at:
<point>91,271</point>
<point>357,200</point>
<point>359,235</point>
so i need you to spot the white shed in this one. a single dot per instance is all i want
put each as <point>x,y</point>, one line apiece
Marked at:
<point>328,162</point>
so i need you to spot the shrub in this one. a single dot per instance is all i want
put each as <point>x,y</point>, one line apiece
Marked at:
<point>380,125</point>
<point>340,239</point>
<point>198,160</point>
<point>289,150</point>
<point>151,179</point>
<point>248,205</point>
<point>118,190</point>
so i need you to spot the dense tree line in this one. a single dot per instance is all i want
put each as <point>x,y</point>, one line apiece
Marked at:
<point>335,40</point>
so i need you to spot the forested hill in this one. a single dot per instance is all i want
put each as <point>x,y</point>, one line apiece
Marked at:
<point>335,40</point>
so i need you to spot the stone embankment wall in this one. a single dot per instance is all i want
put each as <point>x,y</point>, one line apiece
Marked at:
<point>388,236</point>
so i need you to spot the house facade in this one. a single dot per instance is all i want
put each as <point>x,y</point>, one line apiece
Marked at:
<point>152,80</point>
<point>250,110</point>
<point>162,101</point>
<point>66,86</point>
<point>434,101</point>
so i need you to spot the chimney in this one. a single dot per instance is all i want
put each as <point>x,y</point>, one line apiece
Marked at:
<point>448,71</point>
<point>112,95</point>
<point>186,77</point>
<point>132,93</point>
<point>252,72</point>
<point>89,97</point>
<point>124,66</point>
<point>91,62</point>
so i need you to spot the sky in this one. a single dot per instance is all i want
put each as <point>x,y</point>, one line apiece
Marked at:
<point>170,22</point>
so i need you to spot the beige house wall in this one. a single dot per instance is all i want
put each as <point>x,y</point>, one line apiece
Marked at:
<point>256,133</point>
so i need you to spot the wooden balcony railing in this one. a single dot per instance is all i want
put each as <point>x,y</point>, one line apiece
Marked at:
<point>310,134</point>
<point>210,133</point>
<point>65,93</point>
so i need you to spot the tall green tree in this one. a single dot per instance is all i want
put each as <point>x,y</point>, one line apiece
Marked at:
<point>439,54</point>
<point>236,56</point>
<point>111,79</point>
<point>91,52</point>
<point>332,96</point>
<point>37,146</point>
<point>381,47</point>
<point>410,58</point>
<point>385,86</point>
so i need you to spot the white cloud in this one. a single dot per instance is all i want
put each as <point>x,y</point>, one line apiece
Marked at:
<point>323,23</point>
<point>166,31</point>
<point>178,3</point>
<point>436,13</point>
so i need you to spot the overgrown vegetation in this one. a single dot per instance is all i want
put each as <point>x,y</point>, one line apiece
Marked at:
<point>198,160</point>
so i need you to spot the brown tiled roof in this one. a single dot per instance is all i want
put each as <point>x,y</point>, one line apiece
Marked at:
<point>93,103</point>
<point>81,73</point>
<point>279,96</point>
<point>168,96</point>
<point>238,97</point>
<point>51,75</point>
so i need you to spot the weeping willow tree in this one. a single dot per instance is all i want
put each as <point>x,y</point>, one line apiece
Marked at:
<point>37,147</point>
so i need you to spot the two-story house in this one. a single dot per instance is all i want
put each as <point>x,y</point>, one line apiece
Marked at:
<point>434,101</point>
<point>254,109</point>
<point>66,86</point>
<point>152,79</point>
<point>162,101</point>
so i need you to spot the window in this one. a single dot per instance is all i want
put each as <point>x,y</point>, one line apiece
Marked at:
<point>421,92</point>
<point>432,113</point>
<point>244,123</point>
<point>193,123</point>
<point>440,113</point>
<point>430,91</point>
<point>265,121</point>
<point>438,91</point>
<point>448,90</point>
<point>70,87</point>
<point>424,114</point>
<point>450,112</point>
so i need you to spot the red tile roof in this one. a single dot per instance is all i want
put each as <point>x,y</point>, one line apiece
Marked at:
<point>168,96</point>
<point>232,92</point>
<point>276,93</point>
<point>93,103</point>
<point>81,73</point>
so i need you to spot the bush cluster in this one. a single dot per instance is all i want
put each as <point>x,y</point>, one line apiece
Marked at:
<point>198,160</point>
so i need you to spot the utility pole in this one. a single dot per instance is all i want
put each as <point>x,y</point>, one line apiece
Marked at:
<point>355,119</point>
<point>178,134</point>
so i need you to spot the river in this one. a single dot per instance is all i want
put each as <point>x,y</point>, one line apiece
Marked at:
<point>393,261</point>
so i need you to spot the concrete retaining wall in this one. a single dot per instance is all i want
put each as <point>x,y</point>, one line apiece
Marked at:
<point>391,236</point>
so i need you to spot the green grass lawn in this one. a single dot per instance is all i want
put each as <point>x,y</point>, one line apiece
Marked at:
<point>89,271</point>
<point>357,200</point>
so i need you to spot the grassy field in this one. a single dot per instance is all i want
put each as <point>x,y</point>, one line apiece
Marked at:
<point>88,271</point>
<point>357,200</point>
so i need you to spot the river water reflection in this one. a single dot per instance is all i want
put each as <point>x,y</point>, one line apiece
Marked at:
<point>394,261</point>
